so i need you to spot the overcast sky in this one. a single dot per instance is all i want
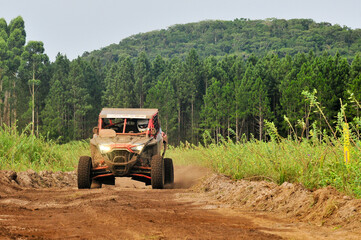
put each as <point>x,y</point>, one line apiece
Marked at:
<point>75,26</point>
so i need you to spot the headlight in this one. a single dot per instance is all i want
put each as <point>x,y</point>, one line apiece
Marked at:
<point>104,148</point>
<point>138,148</point>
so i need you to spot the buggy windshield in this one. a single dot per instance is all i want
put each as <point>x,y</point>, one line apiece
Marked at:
<point>125,125</point>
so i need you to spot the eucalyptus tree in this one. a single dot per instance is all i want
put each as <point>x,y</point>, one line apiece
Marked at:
<point>3,62</point>
<point>32,66</point>
<point>12,40</point>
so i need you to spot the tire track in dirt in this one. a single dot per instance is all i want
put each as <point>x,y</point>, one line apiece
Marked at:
<point>128,210</point>
<point>131,210</point>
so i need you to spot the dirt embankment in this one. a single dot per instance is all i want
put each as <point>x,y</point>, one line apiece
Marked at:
<point>201,205</point>
<point>323,207</point>
<point>10,180</point>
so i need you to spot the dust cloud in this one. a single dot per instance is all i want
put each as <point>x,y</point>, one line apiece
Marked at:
<point>186,176</point>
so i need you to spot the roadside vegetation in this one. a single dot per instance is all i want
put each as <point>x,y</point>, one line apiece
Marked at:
<point>21,151</point>
<point>312,163</point>
<point>315,161</point>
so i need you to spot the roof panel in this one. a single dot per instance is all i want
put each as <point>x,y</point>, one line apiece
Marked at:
<point>128,112</point>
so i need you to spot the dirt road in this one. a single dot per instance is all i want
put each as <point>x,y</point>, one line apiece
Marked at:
<point>130,210</point>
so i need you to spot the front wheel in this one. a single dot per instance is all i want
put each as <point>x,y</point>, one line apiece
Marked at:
<point>84,172</point>
<point>169,171</point>
<point>157,172</point>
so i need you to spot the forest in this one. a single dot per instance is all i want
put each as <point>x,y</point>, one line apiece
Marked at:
<point>223,93</point>
<point>241,37</point>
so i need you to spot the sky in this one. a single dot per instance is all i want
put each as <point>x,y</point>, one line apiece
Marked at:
<point>72,27</point>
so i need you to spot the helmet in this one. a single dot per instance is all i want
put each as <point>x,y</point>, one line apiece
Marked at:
<point>142,125</point>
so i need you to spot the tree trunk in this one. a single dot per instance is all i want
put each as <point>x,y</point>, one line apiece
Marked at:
<point>1,101</point>
<point>237,139</point>
<point>228,126</point>
<point>179,121</point>
<point>74,123</point>
<point>7,108</point>
<point>192,121</point>
<point>32,91</point>
<point>241,127</point>
<point>260,124</point>
<point>141,93</point>
<point>37,122</point>
<point>14,106</point>
<point>217,134</point>
<point>33,109</point>
<point>358,130</point>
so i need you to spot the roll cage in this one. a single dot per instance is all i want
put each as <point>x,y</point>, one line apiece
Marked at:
<point>124,123</point>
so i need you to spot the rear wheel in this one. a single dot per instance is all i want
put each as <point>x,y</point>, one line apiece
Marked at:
<point>84,172</point>
<point>157,172</point>
<point>169,171</point>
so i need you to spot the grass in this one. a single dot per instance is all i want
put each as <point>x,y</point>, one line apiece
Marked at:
<point>21,151</point>
<point>186,155</point>
<point>315,162</point>
<point>311,163</point>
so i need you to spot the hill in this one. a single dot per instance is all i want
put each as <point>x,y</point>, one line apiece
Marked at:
<point>239,37</point>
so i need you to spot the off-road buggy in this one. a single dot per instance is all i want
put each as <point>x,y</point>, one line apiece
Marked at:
<point>126,143</point>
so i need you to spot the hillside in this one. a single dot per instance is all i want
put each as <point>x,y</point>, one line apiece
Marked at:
<point>240,37</point>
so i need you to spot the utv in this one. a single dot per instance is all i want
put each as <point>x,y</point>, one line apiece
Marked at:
<point>127,142</point>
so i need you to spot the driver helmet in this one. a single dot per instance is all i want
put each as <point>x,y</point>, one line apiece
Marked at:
<point>142,125</point>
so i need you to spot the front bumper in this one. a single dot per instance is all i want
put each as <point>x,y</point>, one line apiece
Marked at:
<point>120,161</point>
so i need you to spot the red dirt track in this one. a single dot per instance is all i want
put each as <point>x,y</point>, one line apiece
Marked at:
<point>130,210</point>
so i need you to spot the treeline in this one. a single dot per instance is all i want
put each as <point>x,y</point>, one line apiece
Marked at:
<point>234,96</point>
<point>241,37</point>
<point>230,97</point>
<point>227,95</point>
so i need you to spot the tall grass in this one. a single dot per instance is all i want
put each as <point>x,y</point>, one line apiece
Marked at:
<point>20,151</point>
<point>314,162</point>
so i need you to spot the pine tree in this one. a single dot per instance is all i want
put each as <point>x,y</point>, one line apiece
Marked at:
<point>142,77</point>
<point>78,99</point>
<point>193,76</point>
<point>212,108</point>
<point>355,82</point>
<point>260,104</point>
<point>162,96</point>
<point>119,82</point>
<point>56,114</point>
